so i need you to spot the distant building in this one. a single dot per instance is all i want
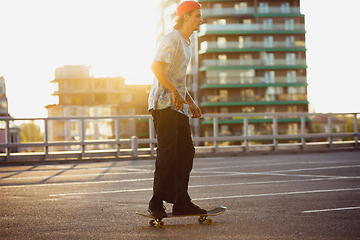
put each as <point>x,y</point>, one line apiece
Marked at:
<point>249,57</point>
<point>14,130</point>
<point>81,94</point>
<point>3,99</point>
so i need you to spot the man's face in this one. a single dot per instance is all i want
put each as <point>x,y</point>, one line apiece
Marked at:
<point>194,20</point>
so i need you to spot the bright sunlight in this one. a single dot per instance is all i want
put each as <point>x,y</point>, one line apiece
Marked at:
<point>41,35</point>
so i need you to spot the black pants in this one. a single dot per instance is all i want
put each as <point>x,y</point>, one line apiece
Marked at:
<point>175,154</point>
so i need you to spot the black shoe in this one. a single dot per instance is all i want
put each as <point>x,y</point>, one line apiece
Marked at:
<point>157,211</point>
<point>187,209</point>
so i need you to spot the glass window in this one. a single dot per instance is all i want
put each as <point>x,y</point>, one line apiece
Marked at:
<point>74,128</point>
<point>290,59</point>
<point>222,59</point>
<point>268,41</point>
<point>221,42</point>
<point>73,111</point>
<point>220,21</point>
<point>264,7</point>
<point>285,7</point>
<point>241,7</point>
<point>223,95</point>
<point>268,24</point>
<point>289,24</point>
<point>89,128</point>
<point>223,77</point>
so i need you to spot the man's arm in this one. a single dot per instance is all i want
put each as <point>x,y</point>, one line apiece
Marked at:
<point>194,109</point>
<point>158,70</point>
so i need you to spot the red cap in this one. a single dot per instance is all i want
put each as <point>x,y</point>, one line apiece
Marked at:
<point>187,6</point>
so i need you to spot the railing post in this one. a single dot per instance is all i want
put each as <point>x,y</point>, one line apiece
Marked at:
<point>82,136</point>
<point>46,140</point>
<point>117,137</point>
<point>303,140</point>
<point>216,133</point>
<point>275,133</point>
<point>356,131</point>
<point>152,137</point>
<point>246,134</point>
<point>330,129</point>
<point>134,146</point>
<point>7,139</point>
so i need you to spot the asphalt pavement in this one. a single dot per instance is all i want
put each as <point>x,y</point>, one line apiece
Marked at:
<point>295,196</point>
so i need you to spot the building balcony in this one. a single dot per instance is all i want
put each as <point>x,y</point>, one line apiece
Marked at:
<point>256,98</point>
<point>227,12</point>
<point>240,82</point>
<point>251,28</point>
<point>213,64</point>
<point>251,46</point>
<point>252,99</point>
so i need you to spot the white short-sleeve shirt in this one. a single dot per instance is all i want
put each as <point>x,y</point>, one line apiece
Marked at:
<point>176,51</point>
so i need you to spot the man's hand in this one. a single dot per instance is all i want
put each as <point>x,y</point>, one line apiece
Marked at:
<point>178,100</point>
<point>195,110</point>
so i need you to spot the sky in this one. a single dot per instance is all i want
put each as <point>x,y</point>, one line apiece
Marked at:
<point>117,38</point>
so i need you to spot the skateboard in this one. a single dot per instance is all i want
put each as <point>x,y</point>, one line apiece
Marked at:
<point>202,217</point>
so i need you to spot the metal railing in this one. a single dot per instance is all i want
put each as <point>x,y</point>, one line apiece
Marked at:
<point>254,80</point>
<point>208,12</point>
<point>306,139</point>
<point>250,27</point>
<point>252,62</point>
<point>250,44</point>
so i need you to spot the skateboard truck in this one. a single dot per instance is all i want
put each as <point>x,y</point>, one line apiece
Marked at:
<point>202,217</point>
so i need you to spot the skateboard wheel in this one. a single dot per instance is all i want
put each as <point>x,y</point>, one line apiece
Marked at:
<point>201,219</point>
<point>161,224</point>
<point>152,222</point>
<point>209,221</point>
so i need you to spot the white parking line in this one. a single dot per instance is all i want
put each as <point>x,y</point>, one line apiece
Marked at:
<point>75,175</point>
<point>103,192</point>
<point>76,183</point>
<point>331,209</point>
<point>278,194</point>
<point>203,186</point>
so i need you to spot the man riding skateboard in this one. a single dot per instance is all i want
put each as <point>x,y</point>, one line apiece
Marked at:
<point>167,99</point>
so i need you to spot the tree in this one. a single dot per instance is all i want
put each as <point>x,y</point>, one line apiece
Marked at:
<point>30,132</point>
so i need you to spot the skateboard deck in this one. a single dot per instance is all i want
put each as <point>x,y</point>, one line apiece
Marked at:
<point>202,217</point>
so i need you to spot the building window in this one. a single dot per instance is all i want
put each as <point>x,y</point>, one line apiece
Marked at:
<point>268,24</point>
<point>220,21</point>
<point>74,128</point>
<point>289,24</point>
<point>221,42</point>
<point>290,59</point>
<point>216,8</point>
<point>223,95</point>
<point>290,41</point>
<point>246,60</point>
<point>247,21</point>
<point>73,111</point>
<point>270,77</point>
<point>268,59</point>
<point>285,7</point>
<point>241,7</point>
<point>89,111</point>
<point>264,7</point>
<point>222,77</point>
<point>104,111</point>
<point>268,42</point>
<point>89,128</point>
<point>291,76</point>
<point>222,59</point>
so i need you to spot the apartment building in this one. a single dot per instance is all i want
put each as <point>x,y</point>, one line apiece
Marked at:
<point>250,57</point>
<point>79,93</point>
<point>14,131</point>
